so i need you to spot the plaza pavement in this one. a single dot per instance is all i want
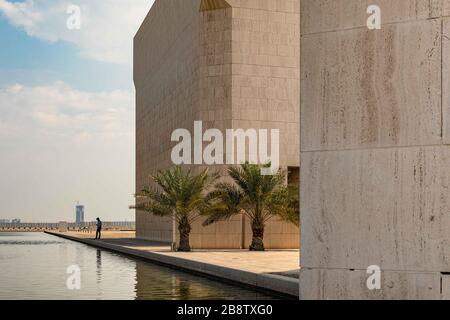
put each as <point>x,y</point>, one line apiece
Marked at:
<point>275,270</point>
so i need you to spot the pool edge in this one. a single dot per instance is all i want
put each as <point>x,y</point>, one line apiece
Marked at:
<point>279,285</point>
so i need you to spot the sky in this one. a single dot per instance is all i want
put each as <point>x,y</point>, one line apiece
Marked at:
<point>67,121</point>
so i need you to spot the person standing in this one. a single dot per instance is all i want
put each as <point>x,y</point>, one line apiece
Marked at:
<point>98,234</point>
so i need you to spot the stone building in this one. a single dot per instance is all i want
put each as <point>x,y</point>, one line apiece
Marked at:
<point>375,152</point>
<point>375,130</point>
<point>232,64</point>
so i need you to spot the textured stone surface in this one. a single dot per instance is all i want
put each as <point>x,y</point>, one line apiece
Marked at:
<point>331,15</point>
<point>446,78</point>
<point>265,78</point>
<point>446,287</point>
<point>233,65</point>
<point>335,284</point>
<point>362,88</point>
<point>374,175</point>
<point>166,73</point>
<point>386,207</point>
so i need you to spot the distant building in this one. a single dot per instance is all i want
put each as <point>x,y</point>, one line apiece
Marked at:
<point>4,221</point>
<point>15,221</point>
<point>79,218</point>
<point>232,65</point>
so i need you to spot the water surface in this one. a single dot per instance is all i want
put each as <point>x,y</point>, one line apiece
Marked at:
<point>34,266</point>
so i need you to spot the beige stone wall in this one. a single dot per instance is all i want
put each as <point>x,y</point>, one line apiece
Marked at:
<point>166,72</point>
<point>231,64</point>
<point>266,66</point>
<point>375,159</point>
<point>265,86</point>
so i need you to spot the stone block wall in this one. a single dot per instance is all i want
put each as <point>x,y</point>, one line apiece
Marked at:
<point>265,86</point>
<point>374,149</point>
<point>166,73</point>
<point>231,64</point>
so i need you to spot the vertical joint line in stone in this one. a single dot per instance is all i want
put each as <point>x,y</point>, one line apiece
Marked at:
<point>442,81</point>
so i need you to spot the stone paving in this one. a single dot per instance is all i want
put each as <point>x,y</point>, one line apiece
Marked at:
<point>281,262</point>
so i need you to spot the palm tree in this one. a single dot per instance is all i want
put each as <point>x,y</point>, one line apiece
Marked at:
<point>181,195</point>
<point>259,197</point>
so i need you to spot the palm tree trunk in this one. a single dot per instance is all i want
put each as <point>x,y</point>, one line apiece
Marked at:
<point>184,228</point>
<point>258,238</point>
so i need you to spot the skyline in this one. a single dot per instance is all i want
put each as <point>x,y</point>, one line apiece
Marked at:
<point>67,109</point>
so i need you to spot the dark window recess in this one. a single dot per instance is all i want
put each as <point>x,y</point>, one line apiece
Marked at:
<point>293,175</point>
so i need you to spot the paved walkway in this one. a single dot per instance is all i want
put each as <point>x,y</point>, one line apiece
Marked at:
<point>270,261</point>
<point>281,266</point>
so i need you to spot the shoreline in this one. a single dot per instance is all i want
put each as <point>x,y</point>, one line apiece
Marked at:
<point>24,231</point>
<point>284,286</point>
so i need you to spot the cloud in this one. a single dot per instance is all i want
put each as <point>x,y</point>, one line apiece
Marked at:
<point>107,26</point>
<point>58,110</point>
<point>60,145</point>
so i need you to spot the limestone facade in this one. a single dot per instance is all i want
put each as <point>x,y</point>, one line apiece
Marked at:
<point>374,149</point>
<point>231,64</point>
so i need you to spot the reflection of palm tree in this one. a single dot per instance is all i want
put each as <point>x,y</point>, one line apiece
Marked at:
<point>184,290</point>
<point>154,282</point>
<point>99,265</point>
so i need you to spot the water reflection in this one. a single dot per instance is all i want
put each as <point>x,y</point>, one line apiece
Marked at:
<point>154,282</point>
<point>99,265</point>
<point>38,271</point>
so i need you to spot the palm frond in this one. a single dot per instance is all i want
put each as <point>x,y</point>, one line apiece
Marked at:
<point>284,203</point>
<point>180,192</point>
<point>222,203</point>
